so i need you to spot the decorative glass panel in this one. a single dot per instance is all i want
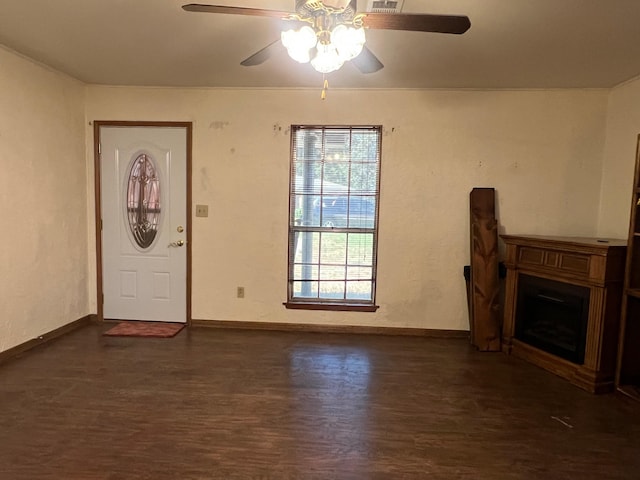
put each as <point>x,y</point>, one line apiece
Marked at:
<point>143,200</point>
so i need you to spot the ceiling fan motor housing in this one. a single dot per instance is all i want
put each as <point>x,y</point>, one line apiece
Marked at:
<point>344,9</point>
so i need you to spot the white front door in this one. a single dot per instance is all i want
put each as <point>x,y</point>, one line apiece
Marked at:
<point>143,175</point>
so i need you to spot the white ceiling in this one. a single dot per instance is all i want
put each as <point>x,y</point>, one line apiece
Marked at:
<point>511,44</point>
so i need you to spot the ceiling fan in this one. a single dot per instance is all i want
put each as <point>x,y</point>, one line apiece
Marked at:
<point>330,32</point>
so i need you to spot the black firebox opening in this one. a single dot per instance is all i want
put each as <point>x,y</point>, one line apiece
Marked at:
<point>552,316</point>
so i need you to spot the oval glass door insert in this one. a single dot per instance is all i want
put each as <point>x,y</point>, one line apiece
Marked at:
<point>143,200</point>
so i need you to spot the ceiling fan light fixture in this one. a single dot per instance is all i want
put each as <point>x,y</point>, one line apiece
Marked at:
<point>327,51</point>
<point>349,41</point>
<point>299,43</point>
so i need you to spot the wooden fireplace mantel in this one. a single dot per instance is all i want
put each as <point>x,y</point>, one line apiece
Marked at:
<point>597,264</point>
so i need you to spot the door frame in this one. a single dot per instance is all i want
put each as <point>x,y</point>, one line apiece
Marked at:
<point>97,124</point>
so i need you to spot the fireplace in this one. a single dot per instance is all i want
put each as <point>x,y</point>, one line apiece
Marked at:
<point>562,305</point>
<point>552,316</point>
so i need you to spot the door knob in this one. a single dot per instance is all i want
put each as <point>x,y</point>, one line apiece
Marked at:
<point>179,243</point>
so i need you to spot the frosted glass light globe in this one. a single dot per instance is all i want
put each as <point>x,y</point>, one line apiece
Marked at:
<point>298,43</point>
<point>349,41</point>
<point>327,59</point>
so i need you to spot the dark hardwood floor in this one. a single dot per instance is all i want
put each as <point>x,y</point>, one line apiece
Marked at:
<point>237,404</point>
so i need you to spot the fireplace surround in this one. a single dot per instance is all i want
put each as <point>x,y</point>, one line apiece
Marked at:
<point>562,305</point>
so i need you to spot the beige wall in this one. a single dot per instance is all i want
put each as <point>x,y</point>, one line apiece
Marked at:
<point>43,201</point>
<point>541,150</point>
<point>623,127</point>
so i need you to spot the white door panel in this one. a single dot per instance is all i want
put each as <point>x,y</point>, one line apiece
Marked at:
<point>144,273</point>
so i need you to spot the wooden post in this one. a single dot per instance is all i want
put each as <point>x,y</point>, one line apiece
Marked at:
<point>485,287</point>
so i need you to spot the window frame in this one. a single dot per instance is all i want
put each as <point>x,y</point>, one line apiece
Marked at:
<point>317,303</point>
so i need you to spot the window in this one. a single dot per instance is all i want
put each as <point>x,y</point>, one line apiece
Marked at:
<point>333,217</point>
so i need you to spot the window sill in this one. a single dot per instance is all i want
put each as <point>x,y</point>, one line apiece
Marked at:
<point>337,307</point>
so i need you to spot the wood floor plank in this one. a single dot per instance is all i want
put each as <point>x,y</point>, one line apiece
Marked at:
<point>240,404</point>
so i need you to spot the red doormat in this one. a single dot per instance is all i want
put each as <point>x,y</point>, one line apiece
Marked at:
<point>145,329</point>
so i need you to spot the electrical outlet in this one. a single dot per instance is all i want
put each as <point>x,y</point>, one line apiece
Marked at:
<point>240,292</point>
<point>202,210</point>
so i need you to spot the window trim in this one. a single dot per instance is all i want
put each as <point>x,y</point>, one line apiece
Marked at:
<point>331,304</point>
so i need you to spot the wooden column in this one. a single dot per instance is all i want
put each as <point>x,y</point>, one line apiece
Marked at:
<point>485,287</point>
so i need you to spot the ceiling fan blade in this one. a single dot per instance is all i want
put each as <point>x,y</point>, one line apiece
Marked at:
<point>417,22</point>
<point>258,12</point>
<point>367,62</point>
<point>261,56</point>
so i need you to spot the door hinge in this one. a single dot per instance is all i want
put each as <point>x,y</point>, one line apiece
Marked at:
<point>99,148</point>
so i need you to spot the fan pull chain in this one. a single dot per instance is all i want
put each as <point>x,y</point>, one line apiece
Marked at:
<point>325,86</point>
